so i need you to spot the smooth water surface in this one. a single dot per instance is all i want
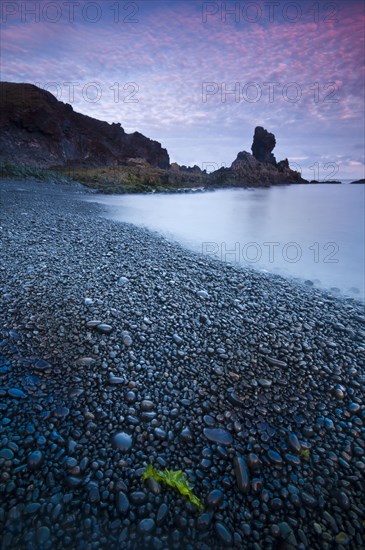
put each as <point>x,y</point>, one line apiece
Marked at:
<point>312,232</point>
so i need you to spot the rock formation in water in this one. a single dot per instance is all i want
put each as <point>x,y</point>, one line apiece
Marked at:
<point>263,144</point>
<point>260,168</point>
<point>38,130</point>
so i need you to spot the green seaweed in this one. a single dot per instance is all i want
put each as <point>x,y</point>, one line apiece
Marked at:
<point>305,455</point>
<point>175,479</point>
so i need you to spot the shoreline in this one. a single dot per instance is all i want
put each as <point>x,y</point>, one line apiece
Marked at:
<point>251,384</point>
<point>100,183</point>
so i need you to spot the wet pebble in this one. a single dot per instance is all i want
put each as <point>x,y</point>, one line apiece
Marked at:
<point>223,534</point>
<point>122,441</point>
<point>103,328</point>
<point>218,435</point>
<point>146,526</point>
<point>35,460</point>
<point>242,475</point>
<point>17,393</point>
<point>275,457</point>
<point>122,502</point>
<point>214,498</point>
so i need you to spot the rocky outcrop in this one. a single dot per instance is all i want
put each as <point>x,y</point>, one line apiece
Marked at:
<point>248,169</point>
<point>263,144</point>
<point>38,130</point>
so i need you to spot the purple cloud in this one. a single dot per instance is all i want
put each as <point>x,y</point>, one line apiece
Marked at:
<point>151,75</point>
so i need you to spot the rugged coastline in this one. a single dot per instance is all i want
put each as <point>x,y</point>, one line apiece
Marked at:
<point>250,384</point>
<point>45,138</point>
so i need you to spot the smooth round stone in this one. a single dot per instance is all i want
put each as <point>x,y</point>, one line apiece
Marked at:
<point>103,328</point>
<point>122,502</point>
<point>204,521</point>
<point>131,397</point>
<point>154,486</point>
<point>206,463</point>
<point>147,416</point>
<point>223,534</point>
<point>159,433</point>
<point>293,443</point>
<point>146,526</point>
<point>354,407</point>
<point>177,339</point>
<point>308,431</point>
<point>42,365</point>
<point>242,475</point>
<point>122,441</point>
<point>88,301</point>
<point>61,412</point>
<point>43,534</point>
<point>162,514</point>
<point>17,393</point>
<point>73,481</point>
<point>264,383</point>
<point>7,454</point>
<point>209,420</point>
<point>32,508</point>
<point>342,538</point>
<point>186,435</point>
<point>123,281</point>
<point>218,435</point>
<point>116,380</point>
<point>138,498</point>
<point>286,532</point>
<point>256,485</point>
<point>146,405</point>
<point>215,498</point>
<point>71,462</point>
<point>293,459</point>
<point>93,323</point>
<point>126,338</point>
<point>35,460</point>
<point>343,500</point>
<point>275,457</point>
<point>234,399</point>
<point>94,493</point>
<point>309,500</point>
<point>276,504</point>
<point>253,461</point>
<point>326,422</point>
<point>85,361</point>
<point>202,294</point>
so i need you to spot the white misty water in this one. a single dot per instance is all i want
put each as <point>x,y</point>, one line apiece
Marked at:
<point>313,232</point>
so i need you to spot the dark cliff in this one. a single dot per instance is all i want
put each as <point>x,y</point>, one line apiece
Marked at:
<point>38,130</point>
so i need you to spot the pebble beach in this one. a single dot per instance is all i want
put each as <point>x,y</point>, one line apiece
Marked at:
<point>120,349</point>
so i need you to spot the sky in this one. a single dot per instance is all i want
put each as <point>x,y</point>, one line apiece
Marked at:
<point>199,76</point>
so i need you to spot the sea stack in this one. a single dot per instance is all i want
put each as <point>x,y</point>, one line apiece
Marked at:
<point>263,145</point>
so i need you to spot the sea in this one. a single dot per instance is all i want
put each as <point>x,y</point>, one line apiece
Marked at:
<point>313,233</point>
